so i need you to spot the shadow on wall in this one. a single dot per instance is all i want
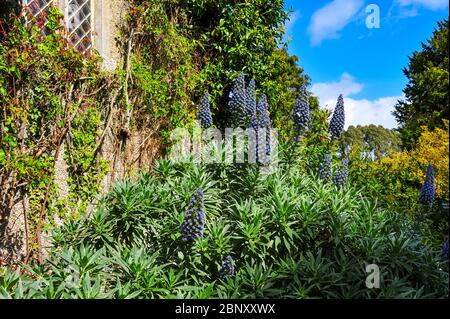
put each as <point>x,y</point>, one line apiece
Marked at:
<point>13,235</point>
<point>11,247</point>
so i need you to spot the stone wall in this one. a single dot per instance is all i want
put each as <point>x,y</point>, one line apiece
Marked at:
<point>137,154</point>
<point>108,15</point>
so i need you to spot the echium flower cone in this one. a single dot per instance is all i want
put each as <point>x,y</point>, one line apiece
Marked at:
<point>445,249</point>
<point>204,114</point>
<point>261,124</point>
<point>326,170</point>
<point>265,122</point>
<point>427,191</point>
<point>250,105</point>
<point>227,269</point>
<point>237,106</point>
<point>194,218</point>
<point>341,176</point>
<point>338,120</point>
<point>301,113</point>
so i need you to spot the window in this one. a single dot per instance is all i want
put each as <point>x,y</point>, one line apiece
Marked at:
<point>79,23</point>
<point>77,19</point>
<point>37,8</point>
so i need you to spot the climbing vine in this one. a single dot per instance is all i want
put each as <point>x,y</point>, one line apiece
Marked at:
<point>51,98</point>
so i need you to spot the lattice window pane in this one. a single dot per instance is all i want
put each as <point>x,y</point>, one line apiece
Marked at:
<point>79,24</point>
<point>77,16</point>
<point>38,8</point>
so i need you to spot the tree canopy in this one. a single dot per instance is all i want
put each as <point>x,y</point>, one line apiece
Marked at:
<point>426,93</point>
<point>373,141</point>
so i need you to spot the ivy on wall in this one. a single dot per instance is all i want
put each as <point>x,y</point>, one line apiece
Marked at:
<point>51,97</point>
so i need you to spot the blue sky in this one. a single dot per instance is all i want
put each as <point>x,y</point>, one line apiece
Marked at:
<point>342,55</point>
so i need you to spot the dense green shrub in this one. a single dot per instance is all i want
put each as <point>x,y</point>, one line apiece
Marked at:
<point>396,178</point>
<point>289,234</point>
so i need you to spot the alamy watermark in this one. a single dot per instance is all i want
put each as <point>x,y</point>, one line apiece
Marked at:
<point>373,19</point>
<point>230,146</point>
<point>373,279</point>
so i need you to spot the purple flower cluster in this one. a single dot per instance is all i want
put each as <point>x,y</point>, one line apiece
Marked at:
<point>194,217</point>
<point>237,106</point>
<point>250,105</point>
<point>227,269</point>
<point>245,111</point>
<point>301,114</point>
<point>338,120</point>
<point>325,171</point>
<point>253,139</point>
<point>242,106</point>
<point>262,112</point>
<point>264,120</point>
<point>204,114</point>
<point>427,191</point>
<point>341,176</point>
<point>261,124</point>
<point>445,249</point>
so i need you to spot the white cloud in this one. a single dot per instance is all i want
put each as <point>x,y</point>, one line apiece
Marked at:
<point>429,4</point>
<point>357,111</point>
<point>327,21</point>
<point>410,8</point>
<point>331,90</point>
<point>365,112</point>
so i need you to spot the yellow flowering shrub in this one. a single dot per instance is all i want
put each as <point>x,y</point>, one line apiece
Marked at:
<point>432,148</point>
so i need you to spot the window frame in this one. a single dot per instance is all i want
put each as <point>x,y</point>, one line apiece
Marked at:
<point>73,30</point>
<point>84,42</point>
